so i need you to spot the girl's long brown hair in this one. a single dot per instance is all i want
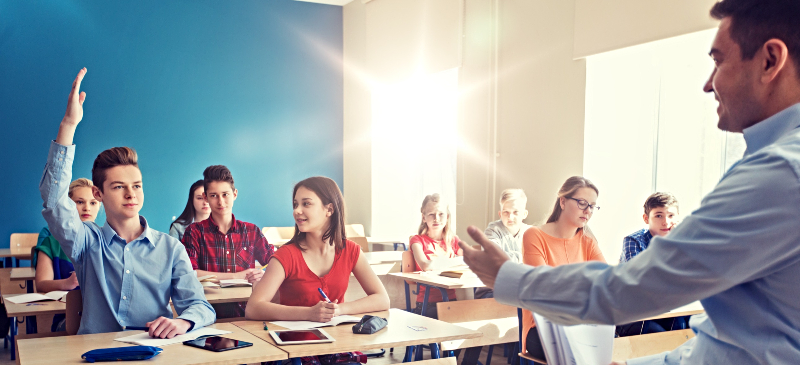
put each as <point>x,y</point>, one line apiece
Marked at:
<point>328,191</point>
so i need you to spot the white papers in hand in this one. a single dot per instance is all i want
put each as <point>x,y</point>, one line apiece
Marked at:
<point>441,263</point>
<point>35,297</point>
<point>304,325</point>
<point>585,344</point>
<point>144,339</point>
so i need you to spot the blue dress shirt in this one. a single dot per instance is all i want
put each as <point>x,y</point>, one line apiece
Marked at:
<point>122,284</point>
<point>635,243</point>
<point>739,254</point>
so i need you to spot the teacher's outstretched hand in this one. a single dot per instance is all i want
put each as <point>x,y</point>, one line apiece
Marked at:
<point>484,263</point>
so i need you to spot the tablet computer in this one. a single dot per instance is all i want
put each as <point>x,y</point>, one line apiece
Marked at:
<point>295,337</point>
<point>217,344</point>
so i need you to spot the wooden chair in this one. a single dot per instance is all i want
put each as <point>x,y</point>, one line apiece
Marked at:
<point>408,265</point>
<point>22,243</point>
<point>497,322</point>
<point>649,344</point>
<point>354,230</point>
<point>361,241</point>
<point>524,358</point>
<point>74,311</point>
<point>276,234</point>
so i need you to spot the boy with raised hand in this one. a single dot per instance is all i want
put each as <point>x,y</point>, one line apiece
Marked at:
<point>508,230</point>
<point>127,271</point>
<point>222,245</point>
<point>660,215</point>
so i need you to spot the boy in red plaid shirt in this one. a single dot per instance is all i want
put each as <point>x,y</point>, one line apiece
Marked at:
<point>222,245</point>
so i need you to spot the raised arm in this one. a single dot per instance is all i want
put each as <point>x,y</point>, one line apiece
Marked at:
<point>59,211</point>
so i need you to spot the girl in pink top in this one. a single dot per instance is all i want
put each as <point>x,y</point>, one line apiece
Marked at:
<point>436,239</point>
<point>564,239</point>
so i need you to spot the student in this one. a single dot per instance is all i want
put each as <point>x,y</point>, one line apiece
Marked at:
<point>127,271</point>
<point>739,252</point>
<point>436,238</point>
<point>564,239</point>
<point>318,257</point>
<point>223,246</point>
<point>197,210</point>
<point>54,271</point>
<point>660,215</point>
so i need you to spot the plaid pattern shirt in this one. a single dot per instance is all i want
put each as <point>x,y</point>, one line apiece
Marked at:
<point>210,250</point>
<point>635,243</point>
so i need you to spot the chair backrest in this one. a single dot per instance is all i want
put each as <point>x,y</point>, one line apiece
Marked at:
<point>474,310</point>
<point>354,230</point>
<point>275,234</point>
<point>22,242</point>
<point>361,241</point>
<point>74,311</point>
<point>649,344</point>
<point>408,265</point>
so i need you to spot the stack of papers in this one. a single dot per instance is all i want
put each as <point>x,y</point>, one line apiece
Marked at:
<point>585,344</point>
<point>304,325</point>
<point>35,297</point>
<point>234,282</point>
<point>144,339</point>
<point>458,274</point>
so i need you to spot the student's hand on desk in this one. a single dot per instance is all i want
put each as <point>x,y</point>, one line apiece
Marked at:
<point>324,311</point>
<point>253,275</point>
<point>484,263</point>
<point>164,327</point>
<point>74,112</point>
<point>71,282</point>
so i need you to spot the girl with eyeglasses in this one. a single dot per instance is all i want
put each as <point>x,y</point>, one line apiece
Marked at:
<point>564,239</point>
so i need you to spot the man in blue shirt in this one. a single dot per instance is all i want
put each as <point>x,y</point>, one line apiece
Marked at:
<point>739,253</point>
<point>127,271</point>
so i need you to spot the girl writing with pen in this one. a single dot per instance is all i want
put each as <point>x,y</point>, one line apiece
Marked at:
<point>309,275</point>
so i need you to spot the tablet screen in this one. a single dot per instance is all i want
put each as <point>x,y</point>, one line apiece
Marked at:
<point>217,343</point>
<point>306,335</point>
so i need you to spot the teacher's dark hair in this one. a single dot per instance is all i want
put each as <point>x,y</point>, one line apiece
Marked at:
<point>754,22</point>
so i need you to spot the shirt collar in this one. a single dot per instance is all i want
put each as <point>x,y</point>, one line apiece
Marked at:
<point>236,226</point>
<point>769,130</point>
<point>146,236</point>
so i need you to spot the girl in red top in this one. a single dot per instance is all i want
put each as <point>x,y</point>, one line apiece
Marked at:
<point>436,239</point>
<point>318,257</point>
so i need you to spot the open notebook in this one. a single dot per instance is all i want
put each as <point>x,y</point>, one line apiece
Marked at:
<point>35,297</point>
<point>584,344</point>
<point>234,282</point>
<point>143,338</point>
<point>304,325</point>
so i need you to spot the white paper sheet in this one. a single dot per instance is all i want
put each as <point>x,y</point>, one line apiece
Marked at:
<point>144,339</point>
<point>35,297</point>
<point>234,282</point>
<point>304,325</point>
<point>591,344</point>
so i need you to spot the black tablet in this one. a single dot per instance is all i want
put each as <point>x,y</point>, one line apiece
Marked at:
<point>217,344</point>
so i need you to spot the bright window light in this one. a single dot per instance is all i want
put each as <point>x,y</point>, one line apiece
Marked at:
<point>414,147</point>
<point>650,127</point>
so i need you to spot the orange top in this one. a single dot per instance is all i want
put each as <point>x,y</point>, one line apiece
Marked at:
<point>539,248</point>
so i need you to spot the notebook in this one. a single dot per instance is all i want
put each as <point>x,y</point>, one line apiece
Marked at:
<point>304,325</point>
<point>143,338</point>
<point>35,297</point>
<point>234,282</point>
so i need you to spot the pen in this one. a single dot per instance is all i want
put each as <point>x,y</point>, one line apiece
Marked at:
<point>265,326</point>
<point>135,328</point>
<point>264,268</point>
<point>324,296</point>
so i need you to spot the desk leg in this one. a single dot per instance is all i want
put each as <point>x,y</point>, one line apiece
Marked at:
<point>16,261</point>
<point>13,333</point>
<point>7,262</point>
<point>422,312</point>
<point>30,324</point>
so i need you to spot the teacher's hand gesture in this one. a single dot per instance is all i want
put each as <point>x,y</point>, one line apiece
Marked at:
<point>74,112</point>
<point>484,263</point>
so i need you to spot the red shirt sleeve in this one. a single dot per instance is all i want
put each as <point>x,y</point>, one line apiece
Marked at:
<point>191,238</point>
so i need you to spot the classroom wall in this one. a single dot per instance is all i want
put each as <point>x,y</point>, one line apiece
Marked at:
<point>255,85</point>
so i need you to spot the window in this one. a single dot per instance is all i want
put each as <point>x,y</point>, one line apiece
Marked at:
<point>650,127</point>
<point>414,147</point>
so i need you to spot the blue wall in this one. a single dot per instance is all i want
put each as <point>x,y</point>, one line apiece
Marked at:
<point>252,84</point>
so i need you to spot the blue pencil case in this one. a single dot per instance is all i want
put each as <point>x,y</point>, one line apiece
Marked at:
<point>129,353</point>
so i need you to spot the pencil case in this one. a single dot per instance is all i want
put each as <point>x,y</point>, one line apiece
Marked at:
<point>128,353</point>
<point>369,325</point>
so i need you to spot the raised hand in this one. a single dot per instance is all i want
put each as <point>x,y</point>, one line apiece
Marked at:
<point>484,263</point>
<point>74,112</point>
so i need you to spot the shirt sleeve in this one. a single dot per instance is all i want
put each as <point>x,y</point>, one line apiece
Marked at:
<point>492,234</point>
<point>673,357</point>
<point>191,241</point>
<point>532,253</point>
<point>59,210</point>
<point>595,254</point>
<point>744,230</point>
<point>173,231</point>
<point>187,293</point>
<point>263,249</point>
<point>630,248</point>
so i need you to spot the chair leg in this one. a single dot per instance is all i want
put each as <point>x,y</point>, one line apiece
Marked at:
<point>489,355</point>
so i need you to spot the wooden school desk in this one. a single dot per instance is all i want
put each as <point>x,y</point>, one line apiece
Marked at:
<point>29,311</point>
<point>388,241</point>
<point>228,295</point>
<point>26,274</point>
<point>68,349</point>
<point>404,329</point>
<point>8,253</point>
<point>687,310</point>
<point>432,280</point>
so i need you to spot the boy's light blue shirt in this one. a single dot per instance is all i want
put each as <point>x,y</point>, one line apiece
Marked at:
<point>739,254</point>
<point>122,284</point>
